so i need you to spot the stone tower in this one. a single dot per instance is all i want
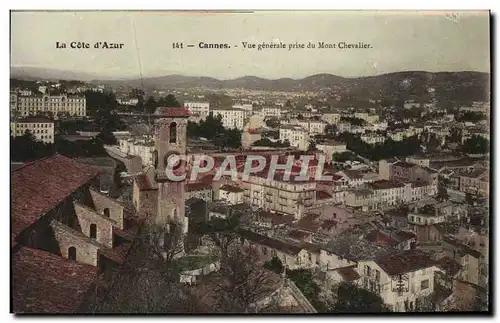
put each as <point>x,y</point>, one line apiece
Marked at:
<point>170,134</point>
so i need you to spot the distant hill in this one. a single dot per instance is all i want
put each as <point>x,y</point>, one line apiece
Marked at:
<point>36,73</point>
<point>443,85</point>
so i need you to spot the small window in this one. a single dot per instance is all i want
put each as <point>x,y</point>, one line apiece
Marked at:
<point>72,253</point>
<point>424,284</point>
<point>93,231</point>
<point>173,133</point>
<point>106,212</point>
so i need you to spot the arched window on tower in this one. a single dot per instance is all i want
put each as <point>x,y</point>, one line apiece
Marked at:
<point>72,253</point>
<point>93,231</point>
<point>173,133</point>
<point>106,212</point>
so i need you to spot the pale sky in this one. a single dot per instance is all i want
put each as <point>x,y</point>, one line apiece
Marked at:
<point>401,41</point>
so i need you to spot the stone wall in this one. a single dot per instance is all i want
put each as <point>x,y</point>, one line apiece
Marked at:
<point>102,203</point>
<point>87,217</point>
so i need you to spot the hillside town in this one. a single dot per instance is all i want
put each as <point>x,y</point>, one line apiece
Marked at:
<point>401,224</point>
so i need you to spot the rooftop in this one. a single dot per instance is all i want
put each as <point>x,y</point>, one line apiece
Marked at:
<point>405,262</point>
<point>35,119</point>
<point>286,247</point>
<point>171,112</point>
<point>34,272</point>
<point>38,187</point>
<point>385,184</point>
<point>232,189</point>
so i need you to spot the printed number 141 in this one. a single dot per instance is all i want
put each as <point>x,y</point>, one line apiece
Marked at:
<point>177,45</point>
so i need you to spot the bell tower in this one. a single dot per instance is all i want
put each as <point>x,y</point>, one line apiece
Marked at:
<point>170,134</point>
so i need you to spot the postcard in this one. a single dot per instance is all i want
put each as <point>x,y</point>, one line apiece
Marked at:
<point>250,162</point>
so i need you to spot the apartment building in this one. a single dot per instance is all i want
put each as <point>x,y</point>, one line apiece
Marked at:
<point>231,194</point>
<point>401,280</point>
<point>368,117</point>
<point>384,194</point>
<point>142,147</point>
<point>281,194</point>
<point>202,109</point>
<point>407,171</point>
<point>73,105</point>
<point>231,118</point>
<point>295,135</point>
<point>199,190</point>
<point>295,255</point>
<point>331,147</point>
<point>269,112</point>
<point>249,136</point>
<point>331,118</point>
<point>373,139</point>
<point>475,181</point>
<point>40,127</point>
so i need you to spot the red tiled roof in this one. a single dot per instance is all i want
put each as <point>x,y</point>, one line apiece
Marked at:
<point>309,222</point>
<point>277,218</point>
<point>297,234</point>
<point>328,224</point>
<point>405,262</point>
<point>232,189</point>
<point>171,112</point>
<point>143,182</point>
<point>35,119</point>
<point>385,184</point>
<point>287,248</point>
<point>404,235</point>
<point>378,237</point>
<point>449,265</point>
<point>38,187</point>
<point>46,283</point>
<point>199,186</point>
<point>322,195</point>
<point>404,164</point>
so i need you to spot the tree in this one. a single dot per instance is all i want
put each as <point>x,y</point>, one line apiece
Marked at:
<point>273,123</point>
<point>275,265</point>
<point>433,143</point>
<point>150,105</point>
<point>331,130</point>
<point>311,147</point>
<point>304,280</point>
<point>476,145</point>
<point>442,193</point>
<point>148,282</point>
<point>242,282</point>
<point>288,104</point>
<point>469,199</point>
<point>300,117</point>
<point>169,101</point>
<point>352,299</point>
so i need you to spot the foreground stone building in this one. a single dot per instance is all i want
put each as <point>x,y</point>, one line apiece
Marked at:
<point>65,235</point>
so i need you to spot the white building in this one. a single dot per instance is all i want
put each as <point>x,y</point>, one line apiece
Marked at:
<point>231,194</point>
<point>384,194</point>
<point>296,135</point>
<point>42,128</point>
<point>331,147</point>
<point>401,280</point>
<point>373,139</point>
<point>138,147</point>
<point>331,118</point>
<point>73,105</point>
<point>271,111</point>
<point>198,108</point>
<point>369,118</point>
<point>231,118</point>
<point>247,107</point>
